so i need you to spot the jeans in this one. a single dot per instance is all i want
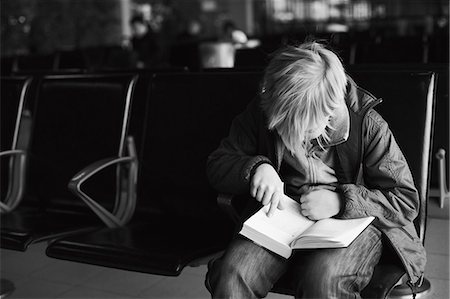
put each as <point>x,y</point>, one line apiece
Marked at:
<point>247,270</point>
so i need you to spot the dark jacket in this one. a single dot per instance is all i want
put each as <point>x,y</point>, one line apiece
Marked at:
<point>374,177</point>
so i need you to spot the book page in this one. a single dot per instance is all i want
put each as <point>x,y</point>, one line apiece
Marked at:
<point>339,231</point>
<point>284,226</point>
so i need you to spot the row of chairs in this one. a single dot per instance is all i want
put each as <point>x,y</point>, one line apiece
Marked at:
<point>93,58</point>
<point>110,167</point>
<point>442,121</point>
<point>161,122</point>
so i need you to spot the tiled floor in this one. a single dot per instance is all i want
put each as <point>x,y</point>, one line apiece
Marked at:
<point>38,276</point>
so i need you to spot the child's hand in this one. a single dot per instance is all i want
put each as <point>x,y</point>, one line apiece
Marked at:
<point>267,187</point>
<point>320,203</point>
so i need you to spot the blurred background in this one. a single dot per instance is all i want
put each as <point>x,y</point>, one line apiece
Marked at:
<point>96,34</point>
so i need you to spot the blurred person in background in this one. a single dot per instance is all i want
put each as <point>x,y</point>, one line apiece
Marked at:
<point>230,33</point>
<point>144,43</point>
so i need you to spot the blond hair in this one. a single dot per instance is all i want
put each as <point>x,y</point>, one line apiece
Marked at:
<point>302,86</point>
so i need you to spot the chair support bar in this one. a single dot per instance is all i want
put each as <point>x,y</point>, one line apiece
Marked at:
<point>14,195</point>
<point>126,200</point>
<point>444,193</point>
<point>224,201</point>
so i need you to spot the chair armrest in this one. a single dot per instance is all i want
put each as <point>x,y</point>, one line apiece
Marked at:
<point>126,203</point>
<point>225,203</point>
<point>444,193</point>
<point>126,199</point>
<point>16,185</point>
<point>12,152</point>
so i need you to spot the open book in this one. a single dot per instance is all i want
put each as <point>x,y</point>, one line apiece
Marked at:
<point>288,229</point>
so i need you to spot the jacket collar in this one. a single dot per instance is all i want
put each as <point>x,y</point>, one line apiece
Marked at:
<point>341,124</point>
<point>358,101</point>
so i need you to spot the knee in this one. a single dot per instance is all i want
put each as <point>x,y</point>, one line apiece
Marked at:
<point>321,278</point>
<point>218,275</point>
<point>326,281</point>
<point>234,280</point>
<point>222,276</point>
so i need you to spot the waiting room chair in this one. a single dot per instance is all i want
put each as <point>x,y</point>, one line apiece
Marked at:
<point>409,108</point>
<point>177,221</point>
<point>77,120</point>
<point>15,127</point>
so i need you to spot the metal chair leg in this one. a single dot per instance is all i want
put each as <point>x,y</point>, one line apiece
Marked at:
<point>6,288</point>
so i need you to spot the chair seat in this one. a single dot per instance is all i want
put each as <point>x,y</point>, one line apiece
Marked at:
<point>157,245</point>
<point>404,291</point>
<point>27,225</point>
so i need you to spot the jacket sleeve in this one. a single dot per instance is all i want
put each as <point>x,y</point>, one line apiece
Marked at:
<point>230,166</point>
<point>388,192</point>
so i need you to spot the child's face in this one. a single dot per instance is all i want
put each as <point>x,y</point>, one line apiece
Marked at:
<point>315,130</point>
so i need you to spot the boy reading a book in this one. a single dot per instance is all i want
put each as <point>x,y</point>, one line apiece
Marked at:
<point>313,135</point>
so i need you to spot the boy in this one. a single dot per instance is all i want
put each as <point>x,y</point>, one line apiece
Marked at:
<point>314,136</point>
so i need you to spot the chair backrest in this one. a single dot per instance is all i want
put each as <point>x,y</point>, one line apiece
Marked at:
<point>14,111</point>
<point>13,95</point>
<point>396,49</point>
<point>408,107</point>
<point>442,126</point>
<point>141,95</point>
<point>78,120</point>
<point>442,122</point>
<point>189,113</point>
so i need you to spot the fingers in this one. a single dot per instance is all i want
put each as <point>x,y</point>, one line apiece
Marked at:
<point>308,214</point>
<point>267,197</point>
<point>281,203</point>
<point>259,194</point>
<point>305,208</point>
<point>273,204</point>
<point>262,193</point>
<point>257,191</point>
<point>268,191</point>
<point>253,189</point>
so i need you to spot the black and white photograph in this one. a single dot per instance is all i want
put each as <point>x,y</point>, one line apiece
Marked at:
<point>238,149</point>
